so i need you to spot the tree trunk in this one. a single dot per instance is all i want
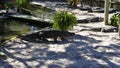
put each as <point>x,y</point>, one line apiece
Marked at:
<point>106,17</point>
<point>119,27</point>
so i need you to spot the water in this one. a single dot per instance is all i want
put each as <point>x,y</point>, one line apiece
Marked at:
<point>11,28</point>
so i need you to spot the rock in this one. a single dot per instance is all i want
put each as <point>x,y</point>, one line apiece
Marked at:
<point>102,29</point>
<point>95,19</point>
<point>92,29</point>
<point>25,11</point>
<point>101,10</point>
<point>84,8</point>
<point>91,19</point>
<point>96,9</point>
<point>83,21</point>
<point>109,29</point>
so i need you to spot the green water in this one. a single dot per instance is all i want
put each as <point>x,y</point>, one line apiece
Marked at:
<point>11,28</point>
<point>37,10</point>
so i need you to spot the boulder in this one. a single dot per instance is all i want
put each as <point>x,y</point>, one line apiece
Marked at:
<point>105,29</point>
<point>91,19</point>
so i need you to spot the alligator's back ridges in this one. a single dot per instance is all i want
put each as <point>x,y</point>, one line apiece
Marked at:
<point>43,34</point>
<point>54,34</point>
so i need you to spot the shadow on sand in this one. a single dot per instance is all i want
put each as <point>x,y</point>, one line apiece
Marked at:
<point>78,54</point>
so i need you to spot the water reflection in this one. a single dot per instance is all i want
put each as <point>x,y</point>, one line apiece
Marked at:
<point>10,28</point>
<point>33,28</point>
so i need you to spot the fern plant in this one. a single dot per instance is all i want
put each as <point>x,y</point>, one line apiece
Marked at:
<point>63,20</point>
<point>114,20</point>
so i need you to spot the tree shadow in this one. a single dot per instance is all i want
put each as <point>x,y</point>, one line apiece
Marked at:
<point>78,52</point>
<point>4,64</point>
<point>86,49</point>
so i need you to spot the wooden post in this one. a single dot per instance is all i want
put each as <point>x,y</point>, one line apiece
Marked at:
<point>119,27</point>
<point>106,13</point>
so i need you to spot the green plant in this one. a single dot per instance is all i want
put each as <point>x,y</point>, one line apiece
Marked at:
<point>63,20</point>
<point>114,20</point>
<point>7,5</point>
<point>22,3</point>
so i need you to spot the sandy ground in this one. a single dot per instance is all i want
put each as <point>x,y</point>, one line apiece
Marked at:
<point>86,49</point>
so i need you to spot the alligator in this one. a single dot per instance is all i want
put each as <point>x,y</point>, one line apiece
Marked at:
<point>44,34</point>
<point>102,29</point>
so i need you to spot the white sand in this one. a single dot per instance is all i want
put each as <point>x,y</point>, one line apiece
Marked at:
<point>87,49</point>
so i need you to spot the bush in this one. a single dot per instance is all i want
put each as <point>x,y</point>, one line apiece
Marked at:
<point>22,3</point>
<point>63,20</point>
<point>114,20</point>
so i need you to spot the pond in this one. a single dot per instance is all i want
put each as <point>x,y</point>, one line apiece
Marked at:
<point>11,28</point>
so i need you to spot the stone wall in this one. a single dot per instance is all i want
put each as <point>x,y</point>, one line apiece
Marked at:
<point>92,3</point>
<point>52,0</point>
